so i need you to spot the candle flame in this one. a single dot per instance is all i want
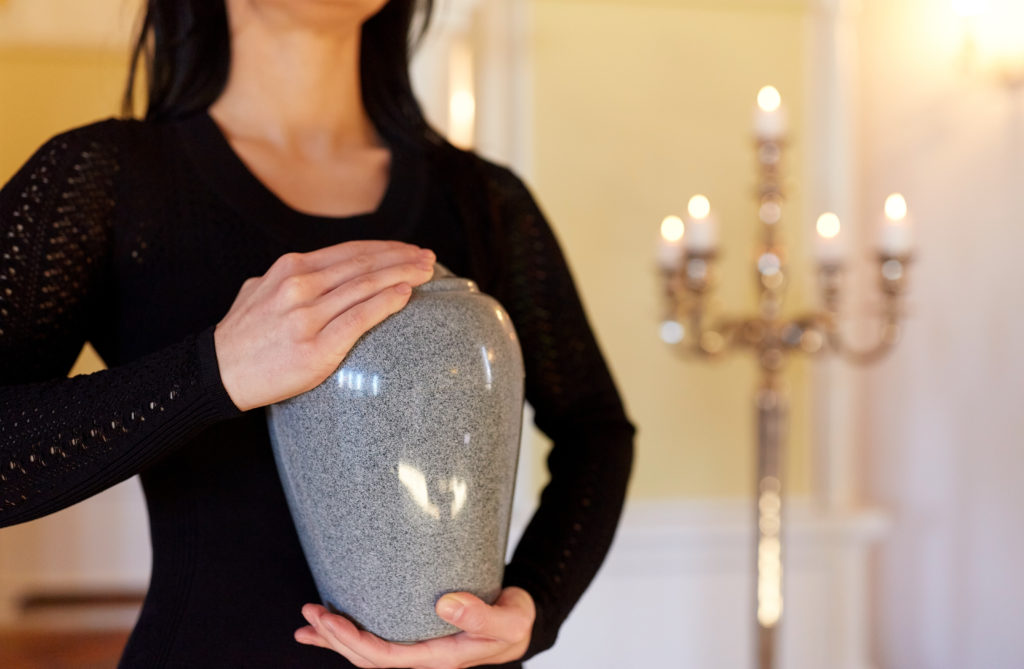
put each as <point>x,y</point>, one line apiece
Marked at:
<point>768,99</point>
<point>672,228</point>
<point>828,225</point>
<point>895,207</point>
<point>699,207</point>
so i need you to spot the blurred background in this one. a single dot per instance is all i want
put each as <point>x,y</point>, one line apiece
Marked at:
<point>903,481</point>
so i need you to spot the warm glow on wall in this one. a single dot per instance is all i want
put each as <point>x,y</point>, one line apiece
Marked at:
<point>969,8</point>
<point>992,36</point>
<point>461,96</point>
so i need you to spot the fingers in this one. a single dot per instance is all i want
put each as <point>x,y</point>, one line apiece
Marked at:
<point>358,252</point>
<point>359,289</point>
<point>466,649</point>
<point>325,631</point>
<point>376,271</point>
<point>341,334</point>
<point>272,344</point>
<point>309,636</point>
<point>510,619</point>
<point>367,650</point>
<point>297,279</point>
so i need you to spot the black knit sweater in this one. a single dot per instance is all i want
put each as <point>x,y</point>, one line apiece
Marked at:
<point>136,236</point>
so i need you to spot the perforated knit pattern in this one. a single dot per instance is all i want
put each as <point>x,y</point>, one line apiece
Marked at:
<point>64,440</point>
<point>137,237</point>
<point>63,434</point>
<point>56,215</point>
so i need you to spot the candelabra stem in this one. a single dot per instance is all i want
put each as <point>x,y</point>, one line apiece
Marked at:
<point>771,413</point>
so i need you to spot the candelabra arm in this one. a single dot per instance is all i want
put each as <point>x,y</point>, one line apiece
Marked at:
<point>889,334</point>
<point>710,341</point>
<point>687,296</point>
<point>892,273</point>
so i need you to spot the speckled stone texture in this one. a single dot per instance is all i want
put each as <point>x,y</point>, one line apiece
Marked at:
<point>399,469</point>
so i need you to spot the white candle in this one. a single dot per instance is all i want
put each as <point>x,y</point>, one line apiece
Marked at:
<point>670,243</point>
<point>897,234</point>
<point>829,246</point>
<point>701,228</point>
<point>770,118</point>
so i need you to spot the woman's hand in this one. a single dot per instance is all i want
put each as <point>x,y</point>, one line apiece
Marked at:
<point>290,328</point>
<point>491,634</point>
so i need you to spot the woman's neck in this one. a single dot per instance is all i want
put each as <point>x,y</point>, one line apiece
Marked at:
<point>293,86</point>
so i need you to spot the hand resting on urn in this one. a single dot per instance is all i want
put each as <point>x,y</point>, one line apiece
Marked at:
<point>290,328</point>
<point>284,334</point>
<point>492,634</point>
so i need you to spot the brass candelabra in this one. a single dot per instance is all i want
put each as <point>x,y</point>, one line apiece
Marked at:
<point>688,272</point>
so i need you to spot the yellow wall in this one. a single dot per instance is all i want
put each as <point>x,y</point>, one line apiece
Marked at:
<point>45,90</point>
<point>638,105</point>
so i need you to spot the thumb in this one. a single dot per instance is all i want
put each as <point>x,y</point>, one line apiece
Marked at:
<point>508,620</point>
<point>464,610</point>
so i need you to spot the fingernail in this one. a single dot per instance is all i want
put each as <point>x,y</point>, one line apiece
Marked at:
<point>449,607</point>
<point>426,266</point>
<point>428,255</point>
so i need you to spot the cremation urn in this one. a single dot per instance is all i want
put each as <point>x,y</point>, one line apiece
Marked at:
<point>399,468</point>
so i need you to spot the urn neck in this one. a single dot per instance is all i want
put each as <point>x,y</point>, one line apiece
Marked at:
<point>445,281</point>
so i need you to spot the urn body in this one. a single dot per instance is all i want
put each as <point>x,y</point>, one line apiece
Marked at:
<point>399,469</point>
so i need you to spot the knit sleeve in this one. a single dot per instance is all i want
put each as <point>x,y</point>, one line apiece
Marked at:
<point>62,440</point>
<point>575,403</point>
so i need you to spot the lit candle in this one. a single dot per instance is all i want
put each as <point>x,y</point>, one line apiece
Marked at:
<point>897,231</point>
<point>770,118</point>
<point>829,245</point>
<point>670,243</point>
<point>701,228</point>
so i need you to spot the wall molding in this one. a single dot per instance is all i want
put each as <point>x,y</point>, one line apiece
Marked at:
<point>677,590</point>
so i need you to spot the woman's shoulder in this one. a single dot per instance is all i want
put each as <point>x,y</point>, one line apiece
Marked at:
<point>504,188</point>
<point>499,176</point>
<point>114,132</point>
<point>97,145</point>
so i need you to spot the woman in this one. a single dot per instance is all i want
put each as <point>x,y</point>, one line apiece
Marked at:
<point>281,142</point>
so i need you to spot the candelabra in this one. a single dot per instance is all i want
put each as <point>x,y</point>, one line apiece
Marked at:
<point>687,258</point>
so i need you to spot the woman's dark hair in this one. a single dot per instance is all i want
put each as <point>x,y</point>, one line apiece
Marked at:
<point>185,48</point>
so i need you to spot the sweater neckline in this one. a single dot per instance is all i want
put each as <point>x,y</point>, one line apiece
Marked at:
<point>222,168</point>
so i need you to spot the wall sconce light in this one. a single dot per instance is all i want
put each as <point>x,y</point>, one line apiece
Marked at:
<point>993,32</point>
<point>461,95</point>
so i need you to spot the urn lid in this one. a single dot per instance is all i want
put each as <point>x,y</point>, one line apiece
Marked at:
<point>444,280</point>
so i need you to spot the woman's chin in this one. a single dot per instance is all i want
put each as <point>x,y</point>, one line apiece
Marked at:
<point>319,15</point>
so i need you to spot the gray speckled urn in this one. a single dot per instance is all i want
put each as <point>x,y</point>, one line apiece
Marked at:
<point>399,468</point>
